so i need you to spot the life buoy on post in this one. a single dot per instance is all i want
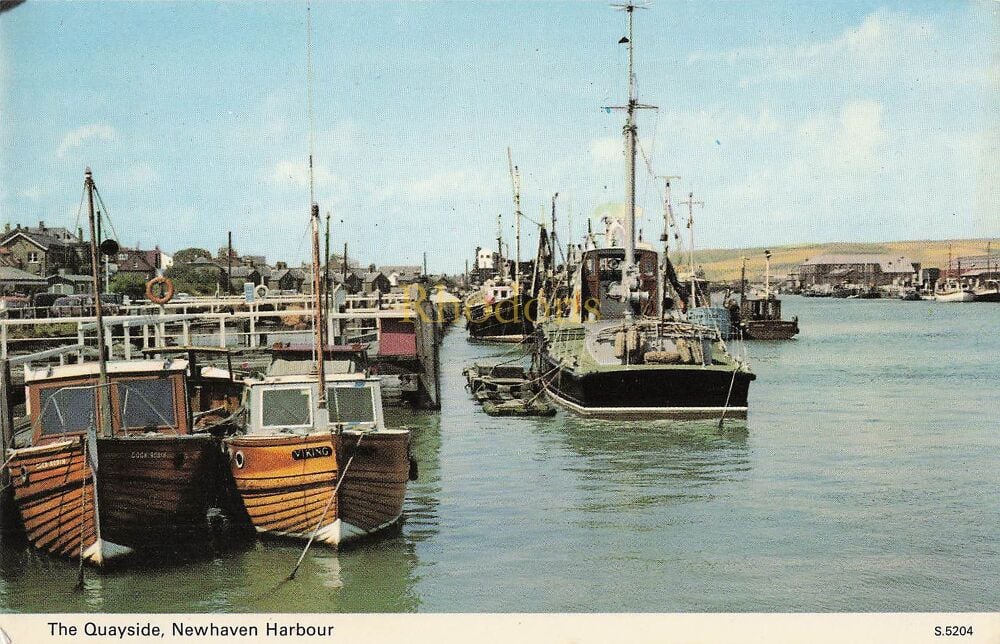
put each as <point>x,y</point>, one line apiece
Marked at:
<point>260,291</point>
<point>168,290</point>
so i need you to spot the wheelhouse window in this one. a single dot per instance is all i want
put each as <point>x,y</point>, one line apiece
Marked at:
<point>146,403</point>
<point>66,410</point>
<point>286,407</point>
<point>350,404</point>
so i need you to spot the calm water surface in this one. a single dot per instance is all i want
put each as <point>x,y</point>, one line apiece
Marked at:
<point>865,479</point>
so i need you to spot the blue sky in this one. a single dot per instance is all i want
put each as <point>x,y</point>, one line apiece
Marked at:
<point>794,122</point>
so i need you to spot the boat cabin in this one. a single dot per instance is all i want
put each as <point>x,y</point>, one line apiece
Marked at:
<point>601,273</point>
<point>147,396</point>
<point>760,309</point>
<point>290,404</point>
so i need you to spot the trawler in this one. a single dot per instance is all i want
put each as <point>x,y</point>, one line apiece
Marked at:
<point>619,352</point>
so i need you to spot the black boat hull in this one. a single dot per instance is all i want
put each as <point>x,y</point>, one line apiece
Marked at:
<point>652,392</point>
<point>504,319</point>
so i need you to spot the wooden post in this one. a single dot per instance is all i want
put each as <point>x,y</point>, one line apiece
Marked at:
<point>128,341</point>
<point>79,340</point>
<point>252,341</point>
<point>145,336</point>
<point>186,333</point>
<point>7,515</point>
<point>3,339</point>
<point>222,331</point>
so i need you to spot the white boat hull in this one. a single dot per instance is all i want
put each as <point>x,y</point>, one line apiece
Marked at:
<point>955,296</point>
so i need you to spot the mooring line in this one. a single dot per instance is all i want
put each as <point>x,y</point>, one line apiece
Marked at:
<point>329,503</point>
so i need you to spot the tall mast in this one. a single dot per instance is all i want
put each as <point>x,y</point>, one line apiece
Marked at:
<point>515,183</point>
<point>691,203</point>
<point>629,269</point>
<point>502,268</point>
<point>767,274</point>
<point>104,417</point>
<point>317,308</point>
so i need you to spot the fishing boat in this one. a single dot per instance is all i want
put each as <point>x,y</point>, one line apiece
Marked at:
<point>759,318</point>
<point>952,290</point>
<point>501,310</point>
<point>989,291</point>
<point>617,353</point>
<point>146,485</point>
<point>316,461</point>
<point>114,465</point>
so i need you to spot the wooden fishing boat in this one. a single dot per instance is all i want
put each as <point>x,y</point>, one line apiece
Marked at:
<point>146,482</point>
<point>330,468</point>
<point>316,461</point>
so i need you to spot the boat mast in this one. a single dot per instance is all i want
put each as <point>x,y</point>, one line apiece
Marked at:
<point>317,306</point>
<point>691,203</point>
<point>515,182</point>
<point>104,417</point>
<point>314,217</point>
<point>629,269</point>
<point>767,274</point>
<point>503,265</point>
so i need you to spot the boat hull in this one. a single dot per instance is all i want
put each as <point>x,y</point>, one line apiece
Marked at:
<point>987,296</point>
<point>506,320</point>
<point>287,483</point>
<point>54,492</point>
<point>155,491</point>
<point>652,392</point>
<point>955,296</point>
<point>770,329</point>
<point>377,468</point>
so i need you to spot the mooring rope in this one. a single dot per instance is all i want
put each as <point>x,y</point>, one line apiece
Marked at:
<point>726,407</point>
<point>329,504</point>
<point>83,517</point>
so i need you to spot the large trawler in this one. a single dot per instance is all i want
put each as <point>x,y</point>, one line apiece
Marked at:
<point>618,352</point>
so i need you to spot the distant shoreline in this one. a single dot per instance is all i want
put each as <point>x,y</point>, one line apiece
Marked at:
<point>725,263</point>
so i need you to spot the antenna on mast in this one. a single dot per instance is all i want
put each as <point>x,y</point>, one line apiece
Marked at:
<point>691,203</point>
<point>630,272</point>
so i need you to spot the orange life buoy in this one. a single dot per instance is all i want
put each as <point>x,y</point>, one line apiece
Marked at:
<point>168,290</point>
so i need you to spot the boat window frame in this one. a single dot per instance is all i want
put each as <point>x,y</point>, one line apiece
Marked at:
<point>39,436</point>
<point>176,380</point>
<point>362,384</point>
<point>258,400</point>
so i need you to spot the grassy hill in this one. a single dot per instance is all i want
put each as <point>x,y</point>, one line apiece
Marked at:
<point>724,264</point>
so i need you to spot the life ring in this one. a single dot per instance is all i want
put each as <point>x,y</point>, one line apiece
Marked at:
<point>168,290</point>
<point>260,291</point>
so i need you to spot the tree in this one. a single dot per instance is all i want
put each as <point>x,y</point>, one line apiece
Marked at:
<point>128,284</point>
<point>196,280</point>
<point>188,255</point>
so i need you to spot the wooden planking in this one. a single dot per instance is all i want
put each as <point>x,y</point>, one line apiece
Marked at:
<point>56,497</point>
<point>374,487</point>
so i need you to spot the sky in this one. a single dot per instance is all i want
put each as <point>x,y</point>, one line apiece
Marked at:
<point>793,122</point>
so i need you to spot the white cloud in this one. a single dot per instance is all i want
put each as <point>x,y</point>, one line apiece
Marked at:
<point>82,135</point>
<point>884,40</point>
<point>447,186</point>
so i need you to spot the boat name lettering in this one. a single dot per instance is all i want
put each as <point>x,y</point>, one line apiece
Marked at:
<point>147,455</point>
<point>44,465</point>
<point>610,264</point>
<point>311,452</point>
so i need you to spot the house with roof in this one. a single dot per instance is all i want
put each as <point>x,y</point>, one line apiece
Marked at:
<point>42,250</point>
<point>870,269</point>
<point>282,278</point>
<point>141,263</point>
<point>14,280</point>
<point>375,281</point>
<point>66,283</point>
<point>402,275</point>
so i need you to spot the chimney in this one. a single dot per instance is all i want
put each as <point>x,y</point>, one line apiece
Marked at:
<point>41,226</point>
<point>6,228</point>
<point>19,226</point>
<point>281,266</point>
<point>371,268</point>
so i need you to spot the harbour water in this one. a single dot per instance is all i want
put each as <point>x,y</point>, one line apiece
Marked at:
<point>865,479</point>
